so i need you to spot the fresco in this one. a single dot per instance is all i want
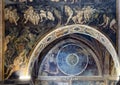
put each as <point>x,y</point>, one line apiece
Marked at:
<point>27,20</point>
<point>68,58</point>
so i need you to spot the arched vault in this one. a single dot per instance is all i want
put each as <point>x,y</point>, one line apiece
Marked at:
<point>71,29</point>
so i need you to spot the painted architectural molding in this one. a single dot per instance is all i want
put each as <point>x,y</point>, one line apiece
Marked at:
<point>1,45</point>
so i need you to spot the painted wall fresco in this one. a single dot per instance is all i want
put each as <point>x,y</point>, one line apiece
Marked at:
<point>27,20</point>
<point>68,58</point>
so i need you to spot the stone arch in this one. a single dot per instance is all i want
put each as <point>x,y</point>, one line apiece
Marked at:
<point>70,29</point>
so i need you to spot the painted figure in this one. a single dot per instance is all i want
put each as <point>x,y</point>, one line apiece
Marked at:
<point>7,40</point>
<point>110,22</point>
<point>42,15</point>
<point>113,25</point>
<point>58,16</point>
<point>28,14</point>
<point>35,18</point>
<point>11,15</point>
<point>50,16</point>
<point>46,15</point>
<point>32,16</point>
<point>50,66</point>
<point>78,18</point>
<point>16,66</point>
<point>7,12</point>
<point>106,21</point>
<point>88,11</point>
<point>69,13</point>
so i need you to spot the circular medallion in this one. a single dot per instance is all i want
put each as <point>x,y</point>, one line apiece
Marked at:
<point>71,59</point>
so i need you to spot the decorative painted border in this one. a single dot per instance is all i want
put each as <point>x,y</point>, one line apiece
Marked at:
<point>1,46</point>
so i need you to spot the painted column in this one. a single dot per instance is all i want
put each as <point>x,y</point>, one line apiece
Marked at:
<point>1,24</point>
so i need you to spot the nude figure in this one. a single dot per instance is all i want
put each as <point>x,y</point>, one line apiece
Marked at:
<point>88,11</point>
<point>110,22</point>
<point>7,40</point>
<point>42,15</point>
<point>28,14</point>
<point>78,18</point>
<point>21,58</point>
<point>11,15</point>
<point>106,21</point>
<point>50,16</point>
<point>69,13</point>
<point>32,16</point>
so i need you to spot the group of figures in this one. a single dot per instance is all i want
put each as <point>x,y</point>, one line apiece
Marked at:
<point>29,15</point>
<point>84,15</point>
<point>81,16</point>
<point>16,50</point>
<point>11,15</point>
<point>32,16</point>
